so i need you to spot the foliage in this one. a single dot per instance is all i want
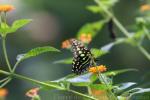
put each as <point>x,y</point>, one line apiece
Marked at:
<point>92,81</point>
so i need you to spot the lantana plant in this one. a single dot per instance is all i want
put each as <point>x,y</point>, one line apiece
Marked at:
<point>98,79</point>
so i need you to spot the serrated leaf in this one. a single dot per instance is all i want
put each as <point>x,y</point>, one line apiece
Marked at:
<point>116,72</point>
<point>64,61</point>
<point>97,52</point>
<point>37,51</point>
<point>91,28</point>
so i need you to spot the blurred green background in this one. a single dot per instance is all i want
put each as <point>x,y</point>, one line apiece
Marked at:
<point>57,20</point>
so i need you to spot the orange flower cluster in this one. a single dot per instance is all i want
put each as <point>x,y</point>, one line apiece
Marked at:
<point>66,44</point>
<point>6,8</point>
<point>3,92</point>
<point>32,93</point>
<point>85,38</point>
<point>145,7</point>
<point>96,69</point>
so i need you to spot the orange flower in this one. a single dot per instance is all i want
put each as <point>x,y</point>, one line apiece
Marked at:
<point>66,44</point>
<point>6,8</point>
<point>85,38</point>
<point>100,68</point>
<point>145,7</point>
<point>3,92</point>
<point>32,93</point>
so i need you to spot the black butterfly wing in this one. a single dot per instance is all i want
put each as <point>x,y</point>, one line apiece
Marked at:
<point>82,57</point>
<point>81,63</point>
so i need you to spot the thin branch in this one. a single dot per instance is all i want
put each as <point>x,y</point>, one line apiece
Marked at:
<point>115,20</point>
<point>4,79</point>
<point>147,55</point>
<point>5,83</point>
<point>13,75</point>
<point>5,53</point>
<point>15,66</point>
<point>83,95</point>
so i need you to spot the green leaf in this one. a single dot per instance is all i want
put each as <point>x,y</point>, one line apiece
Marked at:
<point>81,80</point>
<point>107,3</point>
<point>91,28</point>
<point>4,29</point>
<point>123,86</point>
<point>37,51</point>
<point>105,79</point>
<point>106,48</point>
<point>94,8</point>
<point>135,91</point>
<point>97,52</point>
<point>19,24</point>
<point>100,86</point>
<point>64,61</point>
<point>116,72</point>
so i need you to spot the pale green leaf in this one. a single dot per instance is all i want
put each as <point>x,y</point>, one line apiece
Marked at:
<point>19,24</point>
<point>97,52</point>
<point>91,28</point>
<point>4,28</point>
<point>123,86</point>
<point>37,51</point>
<point>64,61</point>
<point>94,8</point>
<point>116,72</point>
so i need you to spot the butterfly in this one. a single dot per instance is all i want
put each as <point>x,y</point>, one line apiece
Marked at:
<point>83,57</point>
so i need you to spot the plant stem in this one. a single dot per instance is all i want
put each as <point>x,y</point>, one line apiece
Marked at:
<point>110,94</point>
<point>89,90</point>
<point>5,83</point>
<point>121,27</point>
<point>15,66</point>
<point>4,79</point>
<point>118,24</point>
<point>146,32</point>
<point>5,52</point>
<point>147,55</point>
<point>43,83</point>
<point>83,95</point>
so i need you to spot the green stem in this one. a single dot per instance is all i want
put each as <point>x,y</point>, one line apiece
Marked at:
<point>121,27</point>
<point>15,66</point>
<point>110,94</point>
<point>42,83</point>
<point>89,90</point>
<point>147,55</point>
<point>5,83</point>
<point>146,32</point>
<point>83,95</point>
<point>118,24</point>
<point>4,79</point>
<point>5,52</point>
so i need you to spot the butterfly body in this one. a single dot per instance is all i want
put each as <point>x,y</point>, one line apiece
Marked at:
<point>82,57</point>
